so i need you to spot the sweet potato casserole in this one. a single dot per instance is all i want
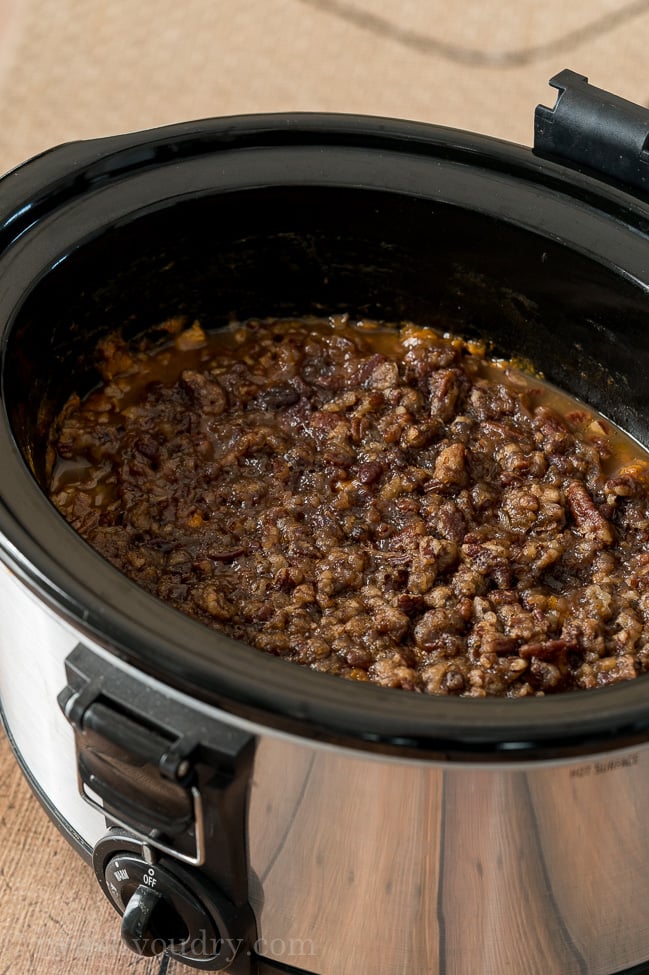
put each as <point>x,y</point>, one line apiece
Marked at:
<point>375,502</point>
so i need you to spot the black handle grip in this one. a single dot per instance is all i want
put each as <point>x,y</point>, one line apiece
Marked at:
<point>591,128</point>
<point>172,774</point>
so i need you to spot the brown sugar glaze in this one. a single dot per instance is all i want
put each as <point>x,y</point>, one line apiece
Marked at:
<point>380,503</point>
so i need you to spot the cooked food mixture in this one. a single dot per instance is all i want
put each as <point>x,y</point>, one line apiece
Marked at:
<point>380,503</point>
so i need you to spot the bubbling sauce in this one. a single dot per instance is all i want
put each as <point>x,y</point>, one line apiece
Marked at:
<point>377,502</point>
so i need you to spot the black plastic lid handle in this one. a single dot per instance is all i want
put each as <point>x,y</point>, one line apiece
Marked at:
<point>588,127</point>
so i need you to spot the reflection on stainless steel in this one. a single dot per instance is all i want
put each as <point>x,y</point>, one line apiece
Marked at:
<point>377,867</point>
<point>498,910</point>
<point>349,875</point>
<point>592,821</point>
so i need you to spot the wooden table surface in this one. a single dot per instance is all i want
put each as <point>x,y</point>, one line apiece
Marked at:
<point>54,919</point>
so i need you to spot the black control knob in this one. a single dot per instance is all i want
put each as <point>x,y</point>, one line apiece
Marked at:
<point>168,907</point>
<point>150,924</point>
<point>159,911</point>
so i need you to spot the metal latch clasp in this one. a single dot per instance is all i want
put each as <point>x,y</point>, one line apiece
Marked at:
<point>196,859</point>
<point>592,128</point>
<point>132,774</point>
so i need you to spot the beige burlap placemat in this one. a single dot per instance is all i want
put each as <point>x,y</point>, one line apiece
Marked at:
<point>74,69</point>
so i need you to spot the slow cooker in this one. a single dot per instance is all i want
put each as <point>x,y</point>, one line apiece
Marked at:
<point>241,813</point>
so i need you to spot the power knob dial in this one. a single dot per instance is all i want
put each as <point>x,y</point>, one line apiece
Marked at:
<point>159,912</point>
<point>150,924</point>
<point>168,907</point>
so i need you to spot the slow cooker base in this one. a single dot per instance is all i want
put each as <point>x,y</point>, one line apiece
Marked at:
<point>264,966</point>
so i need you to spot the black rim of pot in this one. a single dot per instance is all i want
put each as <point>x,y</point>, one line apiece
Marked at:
<point>113,612</point>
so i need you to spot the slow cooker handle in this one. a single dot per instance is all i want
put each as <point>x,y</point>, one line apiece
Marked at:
<point>593,129</point>
<point>172,783</point>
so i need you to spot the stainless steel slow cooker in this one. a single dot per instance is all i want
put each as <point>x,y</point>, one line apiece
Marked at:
<point>243,813</point>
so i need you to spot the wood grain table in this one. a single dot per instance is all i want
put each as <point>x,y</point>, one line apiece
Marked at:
<point>54,919</point>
